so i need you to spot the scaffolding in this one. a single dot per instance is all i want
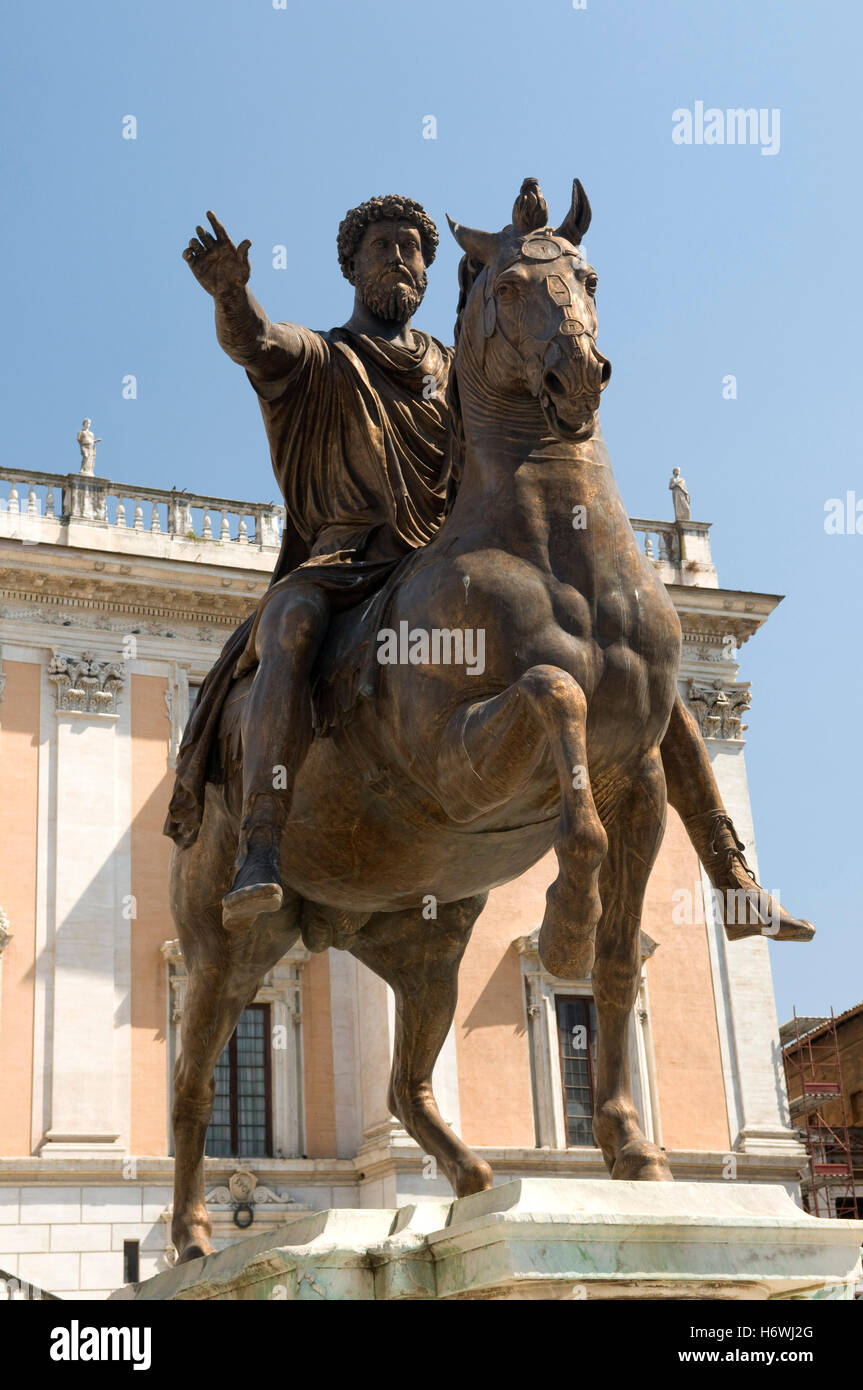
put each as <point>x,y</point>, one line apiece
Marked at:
<point>814,1074</point>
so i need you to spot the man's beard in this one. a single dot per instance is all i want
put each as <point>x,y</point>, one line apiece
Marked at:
<point>394,301</point>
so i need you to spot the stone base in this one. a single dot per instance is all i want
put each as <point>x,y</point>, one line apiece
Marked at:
<point>545,1239</point>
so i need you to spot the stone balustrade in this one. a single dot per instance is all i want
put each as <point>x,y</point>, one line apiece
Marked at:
<point>678,550</point>
<point>36,506</point>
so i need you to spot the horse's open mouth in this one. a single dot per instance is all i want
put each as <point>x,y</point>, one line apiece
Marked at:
<point>567,429</point>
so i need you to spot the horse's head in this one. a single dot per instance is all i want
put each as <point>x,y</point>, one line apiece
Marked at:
<point>530,315</point>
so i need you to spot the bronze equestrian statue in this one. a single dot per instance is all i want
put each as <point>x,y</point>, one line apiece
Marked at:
<point>431,491</point>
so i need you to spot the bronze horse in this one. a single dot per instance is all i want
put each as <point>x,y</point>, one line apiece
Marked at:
<point>450,782</point>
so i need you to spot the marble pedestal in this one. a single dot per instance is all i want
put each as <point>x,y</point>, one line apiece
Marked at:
<point>545,1239</point>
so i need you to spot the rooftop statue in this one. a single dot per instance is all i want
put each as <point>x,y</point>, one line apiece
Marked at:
<point>87,444</point>
<point>680,496</point>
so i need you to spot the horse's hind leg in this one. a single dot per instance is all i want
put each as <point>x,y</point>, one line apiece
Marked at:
<point>419,959</point>
<point>224,972</point>
<point>633,843</point>
<point>490,749</point>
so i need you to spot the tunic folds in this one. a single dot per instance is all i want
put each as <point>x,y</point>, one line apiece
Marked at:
<point>358,435</point>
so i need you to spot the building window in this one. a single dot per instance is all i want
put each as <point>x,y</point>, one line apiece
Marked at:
<point>562,1035</point>
<point>576,1037</point>
<point>281,992</point>
<point>241,1124</point>
<point>131,1261</point>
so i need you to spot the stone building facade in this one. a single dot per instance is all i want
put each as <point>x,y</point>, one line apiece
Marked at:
<point>114,601</point>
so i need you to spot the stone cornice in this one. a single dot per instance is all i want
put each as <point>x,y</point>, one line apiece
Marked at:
<point>63,1170</point>
<point>716,612</point>
<point>191,591</point>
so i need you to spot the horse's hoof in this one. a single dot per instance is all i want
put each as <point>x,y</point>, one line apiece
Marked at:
<point>640,1161</point>
<point>194,1251</point>
<point>567,960</point>
<point>568,933</point>
<point>241,907</point>
<point>564,955</point>
<point>193,1243</point>
<point>473,1176</point>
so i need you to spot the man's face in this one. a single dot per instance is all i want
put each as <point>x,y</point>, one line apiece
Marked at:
<point>389,270</point>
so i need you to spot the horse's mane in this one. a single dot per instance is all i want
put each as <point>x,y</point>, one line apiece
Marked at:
<point>468,272</point>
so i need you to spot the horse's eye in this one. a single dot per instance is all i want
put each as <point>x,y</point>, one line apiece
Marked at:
<point>505,291</point>
<point>590,285</point>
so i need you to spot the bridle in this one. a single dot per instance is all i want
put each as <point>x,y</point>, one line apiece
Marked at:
<point>538,246</point>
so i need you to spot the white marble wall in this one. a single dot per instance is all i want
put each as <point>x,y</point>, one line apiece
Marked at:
<point>743,985</point>
<point>69,1240</point>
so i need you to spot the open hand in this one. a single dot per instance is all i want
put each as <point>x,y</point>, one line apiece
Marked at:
<point>215,261</point>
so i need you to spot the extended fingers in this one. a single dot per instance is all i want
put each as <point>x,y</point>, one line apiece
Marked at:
<point>206,241</point>
<point>221,234</point>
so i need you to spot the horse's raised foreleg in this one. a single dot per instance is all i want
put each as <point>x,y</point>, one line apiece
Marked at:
<point>633,843</point>
<point>419,959</point>
<point>488,752</point>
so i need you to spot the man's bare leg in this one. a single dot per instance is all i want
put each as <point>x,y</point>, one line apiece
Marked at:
<point>693,793</point>
<point>277,734</point>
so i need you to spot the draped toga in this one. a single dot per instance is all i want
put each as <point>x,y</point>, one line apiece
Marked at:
<point>358,435</point>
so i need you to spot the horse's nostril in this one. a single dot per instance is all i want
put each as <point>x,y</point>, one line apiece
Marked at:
<point>554,384</point>
<point>605,374</point>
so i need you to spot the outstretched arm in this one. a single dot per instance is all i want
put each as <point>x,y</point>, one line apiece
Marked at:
<point>267,350</point>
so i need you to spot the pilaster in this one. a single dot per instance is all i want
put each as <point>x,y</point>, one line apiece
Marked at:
<point>92,905</point>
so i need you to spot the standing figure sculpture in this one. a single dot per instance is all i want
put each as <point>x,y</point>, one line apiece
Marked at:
<point>679,496</point>
<point>449,782</point>
<point>87,444</point>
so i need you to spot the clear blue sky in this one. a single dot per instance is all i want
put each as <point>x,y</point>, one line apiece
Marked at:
<point>712,260</point>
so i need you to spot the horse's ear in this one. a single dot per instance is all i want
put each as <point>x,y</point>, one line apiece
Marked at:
<point>480,246</point>
<point>577,220</point>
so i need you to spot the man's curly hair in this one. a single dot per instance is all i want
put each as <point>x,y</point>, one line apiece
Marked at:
<point>388,206</point>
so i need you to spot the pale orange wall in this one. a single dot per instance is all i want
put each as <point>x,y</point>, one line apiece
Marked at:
<point>151,858</point>
<point>682,1006</point>
<point>318,1059</point>
<point>19,770</point>
<point>491,1022</point>
<point>491,1038</point>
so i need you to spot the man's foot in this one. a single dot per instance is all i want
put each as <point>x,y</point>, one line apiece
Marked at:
<point>242,906</point>
<point>746,908</point>
<point>257,885</point>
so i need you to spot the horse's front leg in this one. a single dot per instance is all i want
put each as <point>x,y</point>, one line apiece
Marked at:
<point>489,750</point>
